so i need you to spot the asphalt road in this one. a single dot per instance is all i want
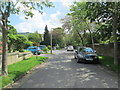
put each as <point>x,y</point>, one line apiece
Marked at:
<point>62,71</point>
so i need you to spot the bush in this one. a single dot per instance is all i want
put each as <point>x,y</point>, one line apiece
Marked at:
<point>46,49</point>
<point>49,47</point>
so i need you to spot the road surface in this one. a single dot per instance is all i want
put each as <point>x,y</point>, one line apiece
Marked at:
<point>62,71</point>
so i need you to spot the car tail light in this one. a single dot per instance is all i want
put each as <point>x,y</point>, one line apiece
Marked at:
<point>39,50</point>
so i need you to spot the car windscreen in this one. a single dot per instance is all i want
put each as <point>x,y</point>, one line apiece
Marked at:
<point>86,50</point>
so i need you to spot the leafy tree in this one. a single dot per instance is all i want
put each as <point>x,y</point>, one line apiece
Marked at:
<point>104,12</point>
<point>35,37</point>
<point>46,36</point>
<point>20,42</point>
<point>10,7</point>
<point>12,37</point>
<point>58,36</point>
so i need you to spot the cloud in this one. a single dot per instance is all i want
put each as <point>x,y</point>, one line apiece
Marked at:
<point>66,3</point>
<point>38,22</point>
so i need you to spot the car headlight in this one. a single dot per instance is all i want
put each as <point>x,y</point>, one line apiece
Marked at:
<point>95,57</point>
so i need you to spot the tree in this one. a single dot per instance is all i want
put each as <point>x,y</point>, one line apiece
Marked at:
<point>104,12</point>
<point>46,36</point>
<point>10,7</point>
<point>58,36</point>
<point>20,42</point>
<point>12,32</point>
<point>35,37</point>
<point>79,20</point>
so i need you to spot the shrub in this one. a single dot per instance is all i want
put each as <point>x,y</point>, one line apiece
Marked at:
<point>49,47</point>
<point>46,49</point>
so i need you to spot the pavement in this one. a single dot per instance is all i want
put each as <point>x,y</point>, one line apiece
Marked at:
<point>62,71</point>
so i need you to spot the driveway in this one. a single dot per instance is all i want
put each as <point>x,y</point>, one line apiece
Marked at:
<point>62,71</point>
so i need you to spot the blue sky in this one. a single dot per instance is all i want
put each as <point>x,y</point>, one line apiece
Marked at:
<point>50,17</point>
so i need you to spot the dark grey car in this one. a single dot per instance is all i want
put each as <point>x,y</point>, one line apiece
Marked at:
<point>86,54</point>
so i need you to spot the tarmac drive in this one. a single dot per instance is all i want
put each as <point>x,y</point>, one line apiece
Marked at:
<point>62,71</point>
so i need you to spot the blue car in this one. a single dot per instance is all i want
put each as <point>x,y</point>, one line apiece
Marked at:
<point>35,50</point>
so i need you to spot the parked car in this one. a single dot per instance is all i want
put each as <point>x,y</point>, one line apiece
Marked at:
<point>86,54</point>
<point>42,47</point>
<point>35,50</point>
<point>70,48</point>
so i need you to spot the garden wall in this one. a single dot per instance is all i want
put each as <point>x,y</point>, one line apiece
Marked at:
<point>106,49</point>
<point>17,56</point>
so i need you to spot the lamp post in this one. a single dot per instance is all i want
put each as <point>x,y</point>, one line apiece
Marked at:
<point>51,41</point>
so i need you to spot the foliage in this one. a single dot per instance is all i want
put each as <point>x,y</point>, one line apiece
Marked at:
<point>20,68</point>
<point>46,36</point>
<point>14,7</point>
<point>16,41</point>
<point>58,36</point>
<point>46,49</point>
<point>49,47</point>
<point>12,38</point>
<point>21,42</point>
<point>27,44</point>
<point>34,37</point>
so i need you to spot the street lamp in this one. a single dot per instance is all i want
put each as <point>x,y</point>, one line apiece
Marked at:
<point>51,41</point>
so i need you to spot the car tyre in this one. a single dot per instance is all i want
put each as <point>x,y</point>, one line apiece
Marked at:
<point>35,53</point>
<point>38,53</point>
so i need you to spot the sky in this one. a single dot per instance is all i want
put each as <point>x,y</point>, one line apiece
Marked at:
<point>50,17</point>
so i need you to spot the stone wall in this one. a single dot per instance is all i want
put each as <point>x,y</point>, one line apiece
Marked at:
<point>106,49</point>
<point>17,56</point>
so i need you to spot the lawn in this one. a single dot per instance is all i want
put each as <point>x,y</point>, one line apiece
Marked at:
<point>19,68</point>
<point>109,62</point>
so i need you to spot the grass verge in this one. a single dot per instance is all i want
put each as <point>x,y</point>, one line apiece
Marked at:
<point>20,68</point>
<point>109,62</point>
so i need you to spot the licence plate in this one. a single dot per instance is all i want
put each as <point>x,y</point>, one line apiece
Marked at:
<point>89,59</point>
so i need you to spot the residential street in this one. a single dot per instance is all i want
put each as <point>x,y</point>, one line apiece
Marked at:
<point>62,71</point>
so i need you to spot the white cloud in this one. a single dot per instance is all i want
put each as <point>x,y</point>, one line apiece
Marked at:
<point>66,3</point>
<point>38,22</point>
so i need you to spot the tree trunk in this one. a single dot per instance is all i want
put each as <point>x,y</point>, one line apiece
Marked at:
<point>4,51</point>
<point>115,39</point>
<point>91,35</point>
<point>81,38</point>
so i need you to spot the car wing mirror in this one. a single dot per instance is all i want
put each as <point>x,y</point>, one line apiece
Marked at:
<point>95,51</point>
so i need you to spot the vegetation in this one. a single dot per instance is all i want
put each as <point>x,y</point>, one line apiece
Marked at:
<point>20,68</point>
<point>93,22</point>
<point>58,37</point>
<point>108,61</point>
<point>34,37</point>
<point>10,7</point>
<point>46,37</point>
<point>17,42</point>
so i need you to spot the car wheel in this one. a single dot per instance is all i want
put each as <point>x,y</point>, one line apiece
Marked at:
<point>38,53</point>
<point>35,53</point>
